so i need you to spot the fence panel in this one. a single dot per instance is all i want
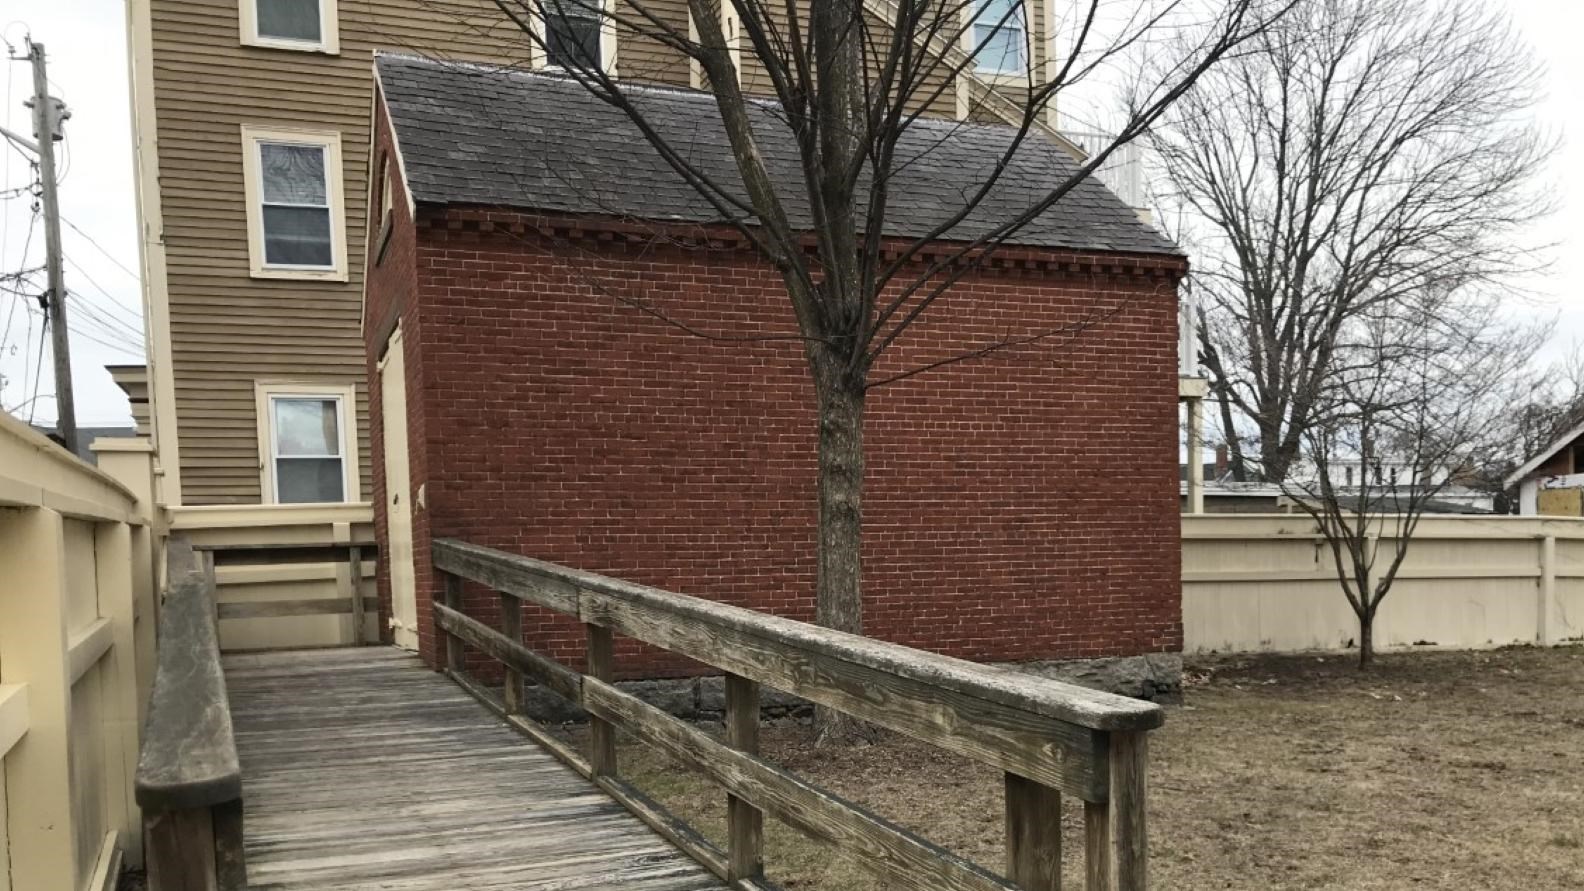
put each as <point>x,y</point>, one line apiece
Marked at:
<point>75,591</point>
<point>1268,583</point>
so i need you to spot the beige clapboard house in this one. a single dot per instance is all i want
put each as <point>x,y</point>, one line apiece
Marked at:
<point>252,127</point>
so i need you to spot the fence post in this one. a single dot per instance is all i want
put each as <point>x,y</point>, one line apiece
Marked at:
<point>38,778</point>
<point>1547,592</point>
<point>117,566</point>
<point>130,462</point>
<point>453,647</point>
<point>1033,834</point>
<point>1129,756</point>
<point>744,822</point>
<point>601,667</point>
<point>512,627</point>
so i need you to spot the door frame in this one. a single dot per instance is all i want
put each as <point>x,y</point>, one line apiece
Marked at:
<point>403,619</point>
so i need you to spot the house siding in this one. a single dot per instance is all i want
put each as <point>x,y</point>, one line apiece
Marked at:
<point>557,421</point>
<point>228,329</point>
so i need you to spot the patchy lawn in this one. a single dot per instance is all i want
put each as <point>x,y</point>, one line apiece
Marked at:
<point>1433,770</point>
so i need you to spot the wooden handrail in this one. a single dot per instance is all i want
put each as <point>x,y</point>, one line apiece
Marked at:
<point>189,780</point>
<point>1048,736</point>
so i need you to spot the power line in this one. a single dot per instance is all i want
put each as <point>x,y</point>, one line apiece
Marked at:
<point>108,256</point>
<point>114,303</point>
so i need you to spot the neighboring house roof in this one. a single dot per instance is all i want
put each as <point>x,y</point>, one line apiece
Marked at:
<point>1543,456</point>
<point>86,436</point>
<point>1388,502</point>
<point>479,135</point>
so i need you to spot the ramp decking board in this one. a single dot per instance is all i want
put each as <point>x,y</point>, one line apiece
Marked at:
<point>364,771</point>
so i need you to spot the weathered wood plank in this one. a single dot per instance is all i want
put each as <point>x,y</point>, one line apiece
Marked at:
<point>273,609</point>
<point>532,580</point>
<point>601,667</point>
<point>453,601</point>
<point>1033,834</point>
<point>880,847</point>
<point>512,653</point>
<point>1052,751</point>
<point>512,630</point>
<point>1129,844</point>
<point>744,822</point>
<point>573,588</point>
<point>390,776</point>
<point>1097,847</point>
<point>355,595</point>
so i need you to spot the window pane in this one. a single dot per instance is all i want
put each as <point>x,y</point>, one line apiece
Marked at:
<point>297,236</point>
<point>572,39</point>
<point>302,480</point>
<point>293,174</point>
<point>1000,34</point>
<point>307,427</point>
<point>289,19</point>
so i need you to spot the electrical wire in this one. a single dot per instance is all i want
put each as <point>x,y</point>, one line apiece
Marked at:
<point>100,248</point>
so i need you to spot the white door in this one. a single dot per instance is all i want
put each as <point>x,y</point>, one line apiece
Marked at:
<point>398,494</point>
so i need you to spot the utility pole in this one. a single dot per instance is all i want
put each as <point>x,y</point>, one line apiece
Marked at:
<point>47,116</point>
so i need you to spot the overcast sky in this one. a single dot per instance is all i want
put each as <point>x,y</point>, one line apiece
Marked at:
<point>86,44</point>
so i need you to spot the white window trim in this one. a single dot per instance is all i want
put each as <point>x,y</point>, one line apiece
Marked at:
<point>733,35</point>
<point>329,33</point>
<point>539,59</point>
<point>970,18</point>
<point>264,392</point>
<point>253,187</point>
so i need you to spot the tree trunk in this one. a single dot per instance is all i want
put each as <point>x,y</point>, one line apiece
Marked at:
<point>839,588</point>
<point>1366,640</point>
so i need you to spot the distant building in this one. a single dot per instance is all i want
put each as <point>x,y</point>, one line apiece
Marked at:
<point>1551,482</point>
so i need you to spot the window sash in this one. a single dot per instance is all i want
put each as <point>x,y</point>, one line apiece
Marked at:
<point>263,20</point>
<point>337,442</point>
<point>1000,38</point>
<point>298,239</point>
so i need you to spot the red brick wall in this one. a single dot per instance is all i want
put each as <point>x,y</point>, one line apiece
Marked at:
<point>1022,506</point>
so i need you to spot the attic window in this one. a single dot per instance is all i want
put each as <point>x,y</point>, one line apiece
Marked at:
<point>999,37</point>
<point>308,25</point>
<point>572,34</point>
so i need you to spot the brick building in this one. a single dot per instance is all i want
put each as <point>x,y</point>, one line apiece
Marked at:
<point>525,244</point>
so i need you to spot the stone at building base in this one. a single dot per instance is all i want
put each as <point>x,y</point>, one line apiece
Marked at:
<point>1156,677</point>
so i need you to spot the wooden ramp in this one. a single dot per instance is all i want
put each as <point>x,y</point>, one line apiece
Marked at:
<point>362,769</point>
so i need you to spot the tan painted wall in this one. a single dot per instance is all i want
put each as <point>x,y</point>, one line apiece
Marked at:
<point>73,544</point>
<point>1266,583</point>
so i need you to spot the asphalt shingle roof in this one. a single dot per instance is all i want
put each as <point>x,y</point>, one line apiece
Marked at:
<point>476,135</point>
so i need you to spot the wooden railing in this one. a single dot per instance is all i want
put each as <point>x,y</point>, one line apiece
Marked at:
<point>189,781</point>
<point>1048,737</point>
<point>288,575</point>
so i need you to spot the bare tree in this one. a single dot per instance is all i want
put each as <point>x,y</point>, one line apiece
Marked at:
<point>1393,437</point>
<point>1357,156</point>
<point>850,79</point>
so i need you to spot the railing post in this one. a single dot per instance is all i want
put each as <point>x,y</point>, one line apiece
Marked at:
<point>744,822</point>
<point>1033,834</point>
<point>511,626</point>
<point>359,620</point>
<point>117,567</point>
<point>1547,590</point>
<point>1129,844</point>
<point>601,667</point>
<point>38,776</point>
<point>453,647</point>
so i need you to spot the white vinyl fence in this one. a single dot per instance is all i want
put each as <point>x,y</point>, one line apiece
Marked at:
<point>1267,583</point>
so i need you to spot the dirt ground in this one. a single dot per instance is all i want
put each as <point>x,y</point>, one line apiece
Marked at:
<point>1432,770</point>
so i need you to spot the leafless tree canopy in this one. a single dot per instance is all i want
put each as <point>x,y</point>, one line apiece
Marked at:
<point>1363,163</point>
<point>1429,408</point>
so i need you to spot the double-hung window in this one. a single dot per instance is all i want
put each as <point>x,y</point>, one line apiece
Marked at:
<point>999,37</point>
<point>295,225</point>
<point>308,25</point>
<point>309,452</point>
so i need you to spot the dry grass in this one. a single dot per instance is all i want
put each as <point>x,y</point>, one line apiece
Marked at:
<point>1433,770</point>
